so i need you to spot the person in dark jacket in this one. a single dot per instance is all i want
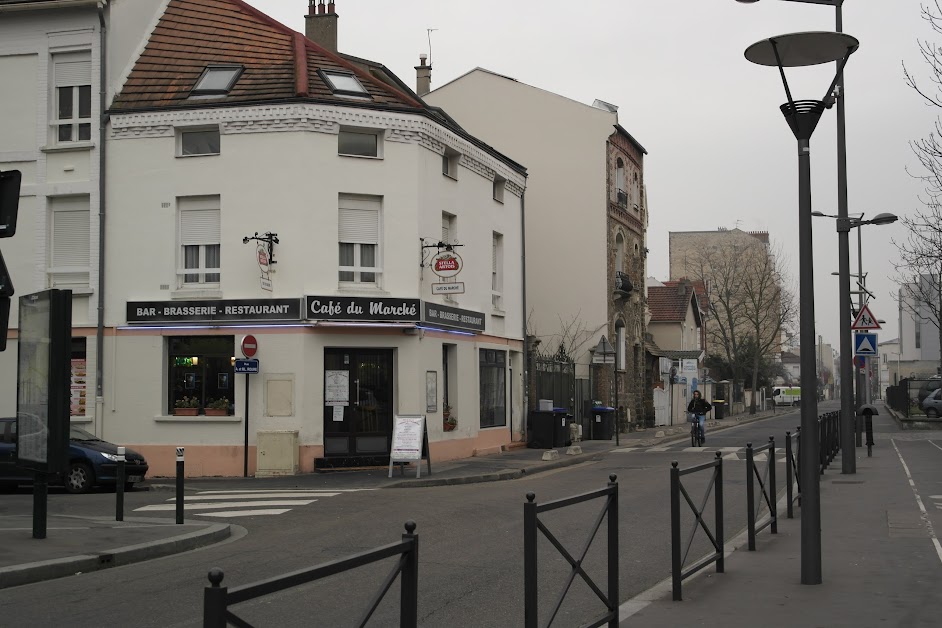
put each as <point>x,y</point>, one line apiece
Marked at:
<point>699,406</point>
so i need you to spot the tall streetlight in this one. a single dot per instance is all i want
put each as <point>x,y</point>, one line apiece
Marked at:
<point>797,50</point>
<point>848,412</point>
<point>850,435</point>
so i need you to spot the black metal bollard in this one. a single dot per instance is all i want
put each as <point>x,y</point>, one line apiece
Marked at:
<point>676,566</point>
<point>180,485</point>
<point>409,587</point>
<point>773,493</point>
<point>750,498</point>
<point>530,590</point>
<point>868,417</point>
<point>718,512</point>
<point>214,601</point>
<point>789,511</point>
<point>119,487</point>
<point>612,516</point>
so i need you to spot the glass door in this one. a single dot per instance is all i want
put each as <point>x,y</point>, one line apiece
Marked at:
<point>358,402</point>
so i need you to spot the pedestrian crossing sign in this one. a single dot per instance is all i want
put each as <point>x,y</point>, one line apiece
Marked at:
<point>865,320</point>
<point>865,344</point>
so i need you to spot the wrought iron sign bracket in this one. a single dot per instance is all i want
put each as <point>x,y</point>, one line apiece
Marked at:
<point>271,239</point>
<point>438,246</point>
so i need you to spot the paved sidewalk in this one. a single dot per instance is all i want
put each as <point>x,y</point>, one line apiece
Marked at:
<point>879,564</point>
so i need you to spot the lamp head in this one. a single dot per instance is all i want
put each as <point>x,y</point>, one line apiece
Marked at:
<point>884,219</point>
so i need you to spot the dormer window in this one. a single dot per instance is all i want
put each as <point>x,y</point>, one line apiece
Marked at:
<point>217,80</point>
<point>344,84</point>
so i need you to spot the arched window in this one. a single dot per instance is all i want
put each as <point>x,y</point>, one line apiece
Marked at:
<point>619,253</point>
<point>620,191</point>
<point>621,345</point>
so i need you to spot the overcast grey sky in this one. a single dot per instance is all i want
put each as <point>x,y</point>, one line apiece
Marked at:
<point>720,153</point>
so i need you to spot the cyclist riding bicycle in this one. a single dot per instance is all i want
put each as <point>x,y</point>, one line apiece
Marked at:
<point>698,407</point>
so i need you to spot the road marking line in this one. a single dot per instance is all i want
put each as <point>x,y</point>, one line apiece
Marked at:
<point>244,513</point>
<point>627,449</point>
<point>659,449</point>
<point>282,490</point>
<point>271,502</point>
<point>202,497</point>
<point>934,445</point>
<point>925,515</point>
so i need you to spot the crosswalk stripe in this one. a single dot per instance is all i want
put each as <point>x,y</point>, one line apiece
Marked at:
<point>217,505</point>
<point>244,513</point>
<point>254,496</point>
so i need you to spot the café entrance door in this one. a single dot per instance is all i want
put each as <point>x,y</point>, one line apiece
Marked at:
<point>358,403</point>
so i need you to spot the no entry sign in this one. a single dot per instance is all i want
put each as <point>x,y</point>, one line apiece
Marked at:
<point>249,346</point>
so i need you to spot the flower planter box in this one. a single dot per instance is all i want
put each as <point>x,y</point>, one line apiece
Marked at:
<point>216,412</point>
<point>185,411</point>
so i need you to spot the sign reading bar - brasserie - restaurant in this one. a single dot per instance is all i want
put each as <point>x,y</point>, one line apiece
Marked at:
<point>444,316</point>
<point>335,308</point>
<point>219,310</point>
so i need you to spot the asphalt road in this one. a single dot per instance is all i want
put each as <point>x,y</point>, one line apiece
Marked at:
<point>471,547</point>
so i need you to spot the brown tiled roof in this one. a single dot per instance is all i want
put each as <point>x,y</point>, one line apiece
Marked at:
<point>280,64</point>
<point>698,287</point>
<point>667,304</point>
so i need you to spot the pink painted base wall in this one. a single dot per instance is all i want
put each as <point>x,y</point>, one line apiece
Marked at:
<point>202,461</point>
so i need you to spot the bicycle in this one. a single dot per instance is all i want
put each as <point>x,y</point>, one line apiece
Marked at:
<point>696,435</point>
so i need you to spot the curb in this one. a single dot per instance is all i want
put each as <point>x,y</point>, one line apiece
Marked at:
<point>29,573</point>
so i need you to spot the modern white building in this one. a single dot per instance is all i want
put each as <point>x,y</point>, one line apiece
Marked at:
<point>59,62</point>
<point>587,217</point>
<point>919,321</point>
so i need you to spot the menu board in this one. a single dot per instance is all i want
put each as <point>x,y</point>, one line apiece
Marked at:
<point>409,442</point>
<point>78,388</point>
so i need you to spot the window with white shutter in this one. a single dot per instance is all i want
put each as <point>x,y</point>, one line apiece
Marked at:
<point>72,97</point>
<point>449,230</point>
<point>497,271</point>
<point>200,239</point>
<point>358,238</point>
<point>69,246</point>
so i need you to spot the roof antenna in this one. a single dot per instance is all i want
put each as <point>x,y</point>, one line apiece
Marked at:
<point>738,222</point>
<point>428,32</point>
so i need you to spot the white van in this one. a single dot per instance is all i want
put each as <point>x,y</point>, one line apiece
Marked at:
<point>786,395</point>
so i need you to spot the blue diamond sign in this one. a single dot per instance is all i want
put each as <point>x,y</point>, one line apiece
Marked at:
<point>865,344</point>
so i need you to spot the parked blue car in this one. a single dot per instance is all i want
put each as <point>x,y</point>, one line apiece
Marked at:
<point>92,461</point>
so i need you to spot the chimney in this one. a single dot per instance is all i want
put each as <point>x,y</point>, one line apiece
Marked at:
<point>423,76</point>
<point>321,26</point>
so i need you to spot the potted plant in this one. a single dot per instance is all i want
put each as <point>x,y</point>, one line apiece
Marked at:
<point>449,422</point>
<point>186,406</point>
<point>217,407</point>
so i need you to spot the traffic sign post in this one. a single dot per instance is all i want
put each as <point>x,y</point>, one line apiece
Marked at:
<point>247,367</point>
<point>865,344</point>
<point>865,320</point>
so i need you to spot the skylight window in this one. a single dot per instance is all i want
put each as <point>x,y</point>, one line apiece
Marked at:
<point>217,79</point>
<point>341,83</point>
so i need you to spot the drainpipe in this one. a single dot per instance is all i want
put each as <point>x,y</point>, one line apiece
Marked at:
<point>526,340</point>
<point>102,123</point>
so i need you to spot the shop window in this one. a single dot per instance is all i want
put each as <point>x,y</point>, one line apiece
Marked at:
<point>78,387</point>
<point>493,386</point>
<point>200,247</point>
<point>200,373</point>
<point>72,100</point>
<point>359,239</point>
<point>69,251</point>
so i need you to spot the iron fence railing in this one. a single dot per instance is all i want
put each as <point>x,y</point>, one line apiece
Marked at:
<point>829,437</point>
<point>767,492</point>
<point>217,599</point>
<point>532,524</point>
<point>679,554</point>
<point>792,477</point>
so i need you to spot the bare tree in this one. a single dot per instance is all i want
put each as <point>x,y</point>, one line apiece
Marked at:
<point>919,270</point>
<point>748,303</point>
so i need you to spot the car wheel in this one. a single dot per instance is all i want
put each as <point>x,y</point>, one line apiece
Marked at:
<point>79,478</point>
<point>932,413</point>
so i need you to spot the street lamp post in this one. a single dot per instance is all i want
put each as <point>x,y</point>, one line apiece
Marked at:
<point>848,413</point>
<point>851,429</point>
<point>797,50</point>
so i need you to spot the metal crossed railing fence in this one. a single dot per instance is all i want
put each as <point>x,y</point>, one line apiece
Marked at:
<point>792,477</point>
<point>532,525</point>
<point>829,437</point>
<point>678,554</point>
<point>217,599</point>
<point>767,492</point>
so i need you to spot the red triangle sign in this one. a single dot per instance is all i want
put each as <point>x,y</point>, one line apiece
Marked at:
<point>865,320</point>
